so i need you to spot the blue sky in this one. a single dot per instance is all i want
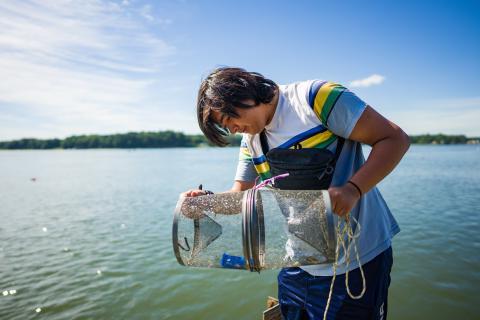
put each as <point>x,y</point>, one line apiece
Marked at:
<point>80,67</point>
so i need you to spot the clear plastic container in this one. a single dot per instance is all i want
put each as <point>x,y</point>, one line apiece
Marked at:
<point>255,229</point>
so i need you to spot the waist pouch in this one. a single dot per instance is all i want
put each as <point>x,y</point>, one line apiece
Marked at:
<point>309,169</point>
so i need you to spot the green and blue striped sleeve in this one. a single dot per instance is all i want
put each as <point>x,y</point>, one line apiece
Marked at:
<point>337,107</point>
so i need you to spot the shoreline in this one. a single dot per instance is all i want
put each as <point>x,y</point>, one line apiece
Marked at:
<point>172,139</point>
<point>198,147</point>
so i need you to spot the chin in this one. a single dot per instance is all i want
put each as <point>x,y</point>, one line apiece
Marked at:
<point>257,131</point>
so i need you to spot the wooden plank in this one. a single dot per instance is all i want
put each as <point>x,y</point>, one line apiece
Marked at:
<point>273,310</point>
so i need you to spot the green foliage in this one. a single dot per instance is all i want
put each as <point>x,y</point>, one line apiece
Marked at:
<point>440,139</point>
<point>172,139</point>
<point>161,139</point>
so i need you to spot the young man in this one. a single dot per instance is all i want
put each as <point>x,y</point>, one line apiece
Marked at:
<point>327,119</point>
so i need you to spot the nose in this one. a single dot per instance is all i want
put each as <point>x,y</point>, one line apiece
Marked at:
<point>232,127</point>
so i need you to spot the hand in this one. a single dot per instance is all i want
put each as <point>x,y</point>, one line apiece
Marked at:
<point>343,198</point>
<point>194,193</point>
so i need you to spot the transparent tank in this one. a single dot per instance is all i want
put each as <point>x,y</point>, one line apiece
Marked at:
<point>255,229</point>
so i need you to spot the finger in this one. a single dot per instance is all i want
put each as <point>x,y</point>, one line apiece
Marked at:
<point>333,202</point>
<point>334,206</point>
<point>188,193</point>
<point>196,193</point>
<point>340,210</point>
<point>347,210</point>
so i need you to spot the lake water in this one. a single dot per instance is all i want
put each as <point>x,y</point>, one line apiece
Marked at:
<point>91,236</point>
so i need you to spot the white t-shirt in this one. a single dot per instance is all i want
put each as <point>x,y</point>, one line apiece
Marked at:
<point>314,113</point>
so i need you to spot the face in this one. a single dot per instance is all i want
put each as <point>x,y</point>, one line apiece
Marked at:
<point>252,120</point>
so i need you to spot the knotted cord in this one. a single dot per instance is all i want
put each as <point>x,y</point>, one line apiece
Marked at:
<point>343,230</point>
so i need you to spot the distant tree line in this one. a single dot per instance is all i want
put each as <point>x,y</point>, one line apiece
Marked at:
<point>161,139</point>
<point>442,139</point>
<point>171,139</point>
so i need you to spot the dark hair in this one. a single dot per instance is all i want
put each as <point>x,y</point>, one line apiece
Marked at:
<point>226,89</point>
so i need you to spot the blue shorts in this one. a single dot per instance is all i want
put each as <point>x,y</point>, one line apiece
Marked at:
<point>303,296</point>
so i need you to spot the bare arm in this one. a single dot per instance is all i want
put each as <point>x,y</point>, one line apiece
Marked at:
<point>389,144</point>
<point>237,186</point>
<point>241,186</point>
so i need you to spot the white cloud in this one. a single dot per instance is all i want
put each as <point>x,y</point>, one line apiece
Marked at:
<point>85,66</point>
<point>146,12</point>
<point>372,80</point>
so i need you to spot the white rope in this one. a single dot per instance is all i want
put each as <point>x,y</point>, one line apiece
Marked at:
<point>341,232</point>
<point>351,239</point>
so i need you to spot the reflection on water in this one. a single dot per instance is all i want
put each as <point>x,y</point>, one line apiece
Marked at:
<point>87,234</point>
